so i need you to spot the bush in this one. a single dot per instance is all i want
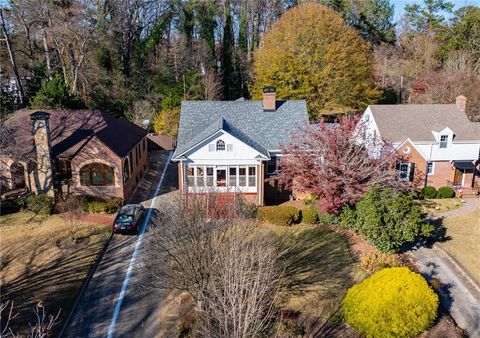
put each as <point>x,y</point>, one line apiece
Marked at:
<point>394,302</point>
<point>96,206</point>
<point>280,214</point>
<point>113,204</point>
<point>445,192</point>
<point>327,218</point>
<point>250,210</point>
<point>10,206</point>
<point>429,192</point>
<point>310,200</point>
<point>41,204</point>
<point>387,218</point>
<point>376,261</point>
<point>309,216</point>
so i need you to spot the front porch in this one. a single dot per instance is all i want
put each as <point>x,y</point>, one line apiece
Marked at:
<point>465,179</point>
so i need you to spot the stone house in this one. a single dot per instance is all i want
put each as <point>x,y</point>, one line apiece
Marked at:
<point>234,146</point>
<point>86,152</point>
<point>441,146</point>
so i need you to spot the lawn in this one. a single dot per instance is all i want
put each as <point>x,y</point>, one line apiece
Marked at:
<point>318,267</point>
<point>463,233</point>
<point>440,205</point>
<point>44,259</point>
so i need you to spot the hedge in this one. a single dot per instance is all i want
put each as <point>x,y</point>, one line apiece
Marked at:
<point>394,302</point>
<point>309,215</point>
<point>445,192</point>
<point>280,214</point>
<point>41,204</point>
<point>109,205</point>
<point>429,192</point>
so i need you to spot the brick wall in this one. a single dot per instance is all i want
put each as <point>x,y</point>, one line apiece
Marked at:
<point>138,159</point>
<point>442,171</point>
<point>420,163</point>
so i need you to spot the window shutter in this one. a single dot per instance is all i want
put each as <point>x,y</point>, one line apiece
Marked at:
<point>211,147</point>
<point>411,167</point>
<point>229,147</point>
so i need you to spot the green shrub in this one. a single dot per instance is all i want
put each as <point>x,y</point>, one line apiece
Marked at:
<point>429,192</point>
<point>445,192</point>
<point>113,204</point>
<point>387,218</point>
<point>250,210</point>
<point>280,214</point>
<point>10,206</point>
<point>310,200</point>
<point>310,215</point>
<point>96,206</point>
<point>394,302</point>
<point>327,218</point>
<point>41,204</point>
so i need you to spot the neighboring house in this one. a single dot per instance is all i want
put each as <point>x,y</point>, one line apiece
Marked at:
<point>76,151</point>
<point>440,144</point>
<point>234,146</point>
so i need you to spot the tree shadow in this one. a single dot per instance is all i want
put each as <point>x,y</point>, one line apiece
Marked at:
<point>439,235</point>
<point>430,273</point>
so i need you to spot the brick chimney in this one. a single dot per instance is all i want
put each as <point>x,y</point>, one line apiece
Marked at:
<point>269,99</point>
<point>41,136</point>
<point>461,102</point>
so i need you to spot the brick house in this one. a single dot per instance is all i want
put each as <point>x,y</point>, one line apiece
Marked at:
<point>85,152</point>
<point>441,146</point>
<point>234,146</point>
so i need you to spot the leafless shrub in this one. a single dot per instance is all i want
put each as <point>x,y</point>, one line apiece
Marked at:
<point>6,308</point>
<point>73,209</point>
<point>229,270</point>
<point>44,323</point>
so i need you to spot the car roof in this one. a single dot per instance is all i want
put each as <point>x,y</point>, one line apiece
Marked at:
<point>129,209</point>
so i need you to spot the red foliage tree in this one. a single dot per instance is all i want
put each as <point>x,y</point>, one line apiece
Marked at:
<point>337,163</point>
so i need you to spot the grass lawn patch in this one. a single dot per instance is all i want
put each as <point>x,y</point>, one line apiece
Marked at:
<point>318,269</point>
<point>44,259</point>
<point>463,243</point>
<point>438,205</point>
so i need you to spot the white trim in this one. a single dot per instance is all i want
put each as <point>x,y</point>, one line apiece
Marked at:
<point>433,168</point>
<point>414,146</point>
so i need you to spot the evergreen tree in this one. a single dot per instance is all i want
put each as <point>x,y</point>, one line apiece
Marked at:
<point>428,16</point>
<point>229,68</point>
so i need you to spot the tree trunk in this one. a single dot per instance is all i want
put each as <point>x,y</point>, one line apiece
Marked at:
<point>12,59</point>
<point>47,54</point>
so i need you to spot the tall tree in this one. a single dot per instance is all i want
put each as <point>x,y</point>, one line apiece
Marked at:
<point>229,80</point>
<point>375,21</point>
<point>311,54</point>
<point>429,15</point>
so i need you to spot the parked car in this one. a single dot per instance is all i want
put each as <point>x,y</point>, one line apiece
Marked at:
<point>128,219</point>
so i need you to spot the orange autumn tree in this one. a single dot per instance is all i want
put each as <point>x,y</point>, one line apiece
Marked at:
<point>310,53</point>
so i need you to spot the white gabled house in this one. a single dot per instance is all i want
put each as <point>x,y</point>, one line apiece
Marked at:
<point>233,146</point>
<point>441,144</point>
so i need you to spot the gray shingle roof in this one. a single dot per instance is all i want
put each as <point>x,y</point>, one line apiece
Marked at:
<point>246,120</point>
<point>417,121</point>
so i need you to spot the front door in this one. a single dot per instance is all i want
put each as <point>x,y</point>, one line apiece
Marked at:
<point>458,177</point>
<point>221,177</point>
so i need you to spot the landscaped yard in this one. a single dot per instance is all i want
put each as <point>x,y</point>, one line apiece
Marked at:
<point>463,243</point>
<point>44,259</point>
<point>318,267</point>
<point>440,204</point>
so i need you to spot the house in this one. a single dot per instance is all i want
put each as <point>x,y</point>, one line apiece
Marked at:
<point>234,146</point>
<point>441,146</point>
<point>85,152</point>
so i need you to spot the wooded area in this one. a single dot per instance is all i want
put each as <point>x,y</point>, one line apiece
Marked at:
<point>140,58</point>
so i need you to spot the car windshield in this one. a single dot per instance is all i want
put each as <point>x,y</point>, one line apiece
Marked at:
<point>124,218</point>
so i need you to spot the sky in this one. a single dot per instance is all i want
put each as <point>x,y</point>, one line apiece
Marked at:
<point>400,5</point>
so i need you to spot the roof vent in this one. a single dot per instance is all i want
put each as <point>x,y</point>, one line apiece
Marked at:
<point>269,99</point>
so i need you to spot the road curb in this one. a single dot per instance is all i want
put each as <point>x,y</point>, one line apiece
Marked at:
<point>90,274</point>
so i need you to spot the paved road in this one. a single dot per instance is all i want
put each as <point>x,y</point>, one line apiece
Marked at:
<point>461,295</point>
<point>139,311</point>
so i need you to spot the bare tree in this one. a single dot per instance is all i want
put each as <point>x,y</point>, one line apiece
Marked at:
<point>229,270</point>
<point>44,323</point>
<point>73,213</point>
<point>6,308</point>
<point>212,86</point>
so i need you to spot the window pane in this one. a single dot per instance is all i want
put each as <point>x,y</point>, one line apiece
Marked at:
<point>242,177</point>
<point>109,178</point>
<point>85,180</point>
<point>209,178</point>
<point>220,145</point>
<point>252,178</point>
<point>221,177</point>
<point>232,181</point>
<point>190,177</point>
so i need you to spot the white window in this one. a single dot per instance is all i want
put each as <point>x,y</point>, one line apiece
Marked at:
<point>367,118</point>
<point>242,177</point>
<point>200,176</point>
<point>252,177</point>
<point>211,147</point>
<point>232,176</point>
<point>209,177</point>
<point>430,168</point>
<point>443,141</point>
<point>404,171</point>
<point>220,145</point>
<point>229,147</point>
<point>190,177</point>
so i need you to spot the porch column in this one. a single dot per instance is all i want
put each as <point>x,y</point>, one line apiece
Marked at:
<point>261,183</point>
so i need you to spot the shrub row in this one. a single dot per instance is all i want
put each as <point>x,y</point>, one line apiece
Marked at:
<point>97,205</point>
<point>443,192</point>
<point>41,204</point>
<point>288,215</point>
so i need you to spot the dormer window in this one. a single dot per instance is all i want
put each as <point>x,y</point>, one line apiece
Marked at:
<point>220,145</point>
<point>443,141</point>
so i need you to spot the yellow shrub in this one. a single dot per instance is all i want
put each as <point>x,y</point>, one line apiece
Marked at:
<point>394,302</point>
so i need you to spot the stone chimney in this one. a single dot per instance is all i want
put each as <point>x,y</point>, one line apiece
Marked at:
<point>269,99</point>
<point>461,102</point>
<point>41,136</point>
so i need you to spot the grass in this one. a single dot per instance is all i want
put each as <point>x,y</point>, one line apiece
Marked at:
<point>318,267</point>
<point>464,238</point>
<point>437,205</point>
<point>44,259</point>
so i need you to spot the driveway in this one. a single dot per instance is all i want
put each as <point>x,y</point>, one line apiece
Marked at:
<point>115,302</point>
<point>461,295</point>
